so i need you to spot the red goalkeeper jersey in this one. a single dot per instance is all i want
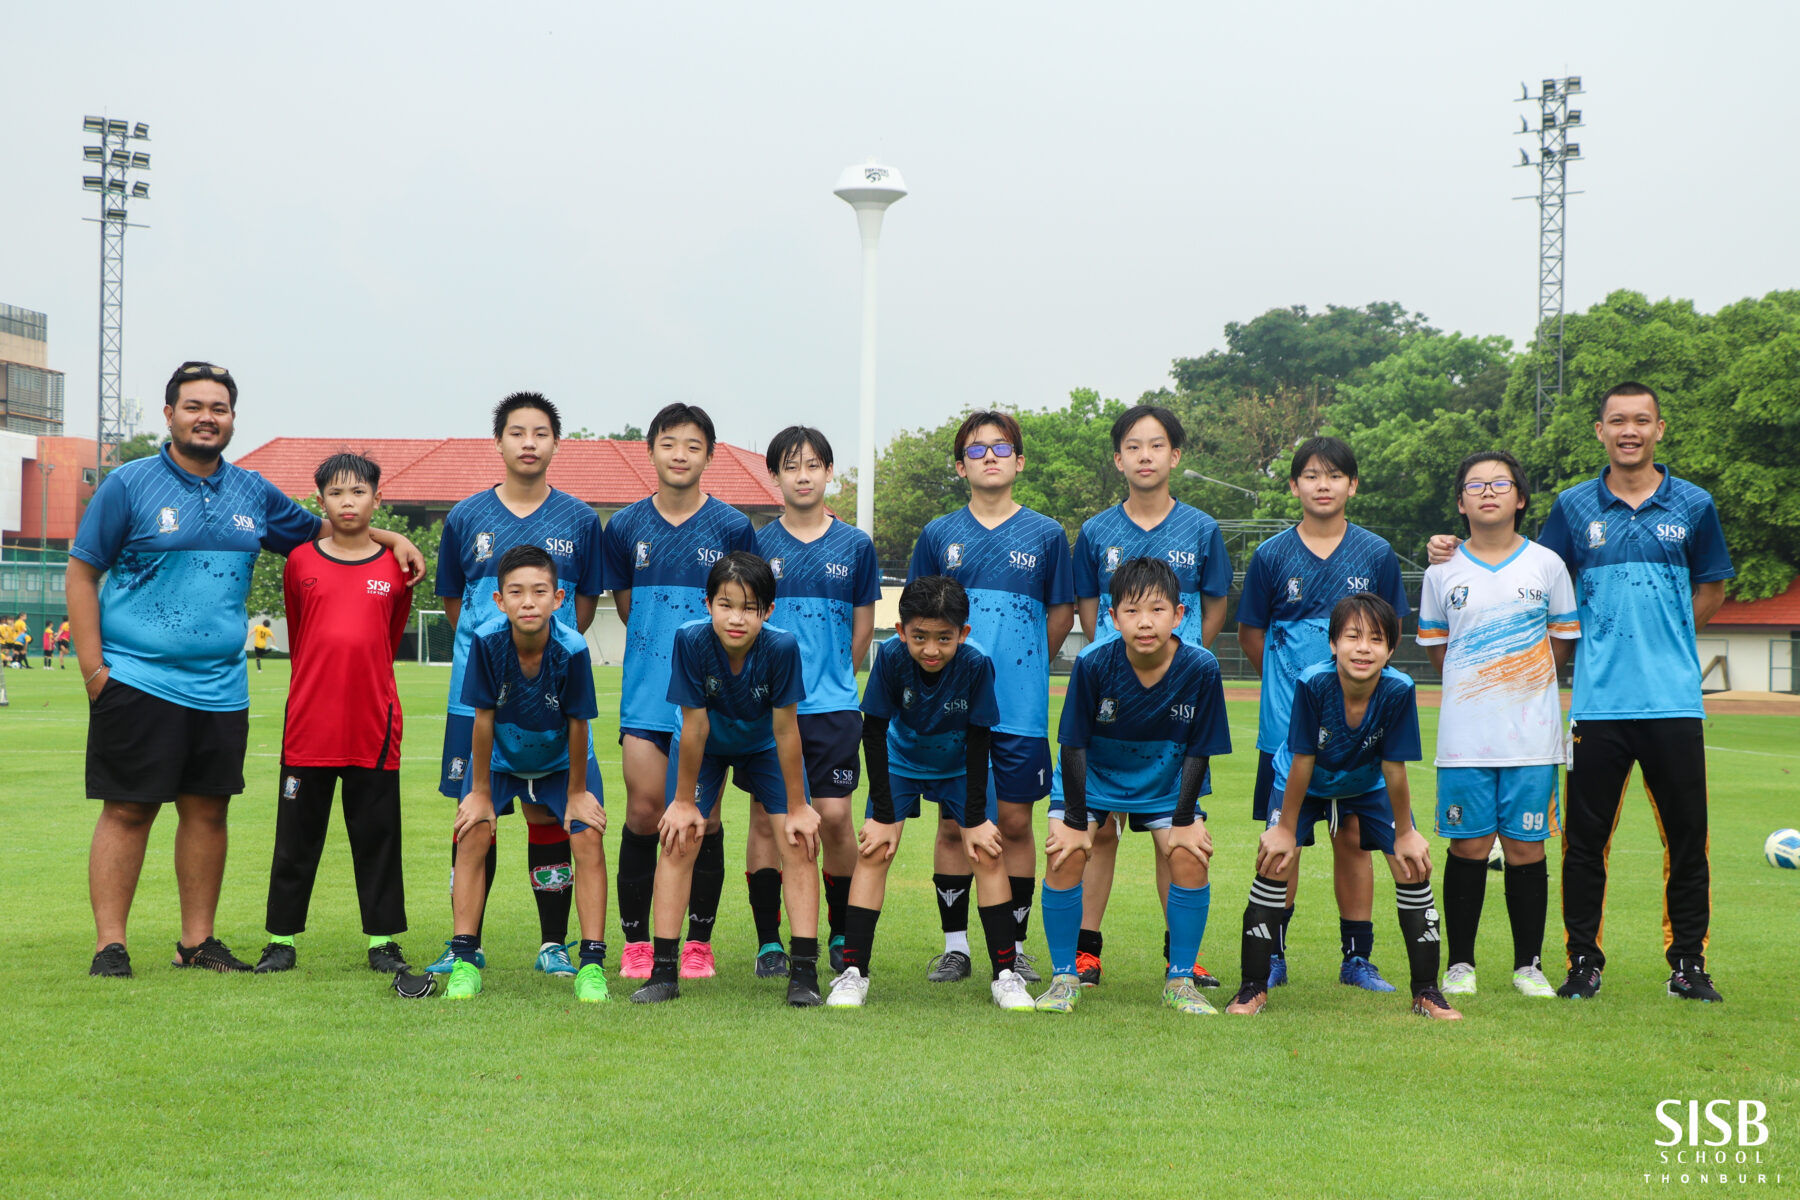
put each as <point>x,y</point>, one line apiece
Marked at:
<point>344,625</point>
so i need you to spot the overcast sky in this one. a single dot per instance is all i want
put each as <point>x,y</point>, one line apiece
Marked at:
<point>385,217</point>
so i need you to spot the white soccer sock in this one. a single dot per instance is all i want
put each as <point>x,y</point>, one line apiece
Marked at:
<point>958,941</point>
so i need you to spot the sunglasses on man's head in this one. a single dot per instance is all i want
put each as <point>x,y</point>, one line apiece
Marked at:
<point>204,369</point>
<point>998,449</point>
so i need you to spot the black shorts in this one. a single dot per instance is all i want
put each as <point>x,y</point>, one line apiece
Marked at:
<point>1265,783</point>
<point>150,750</point>
<point>831,744</point>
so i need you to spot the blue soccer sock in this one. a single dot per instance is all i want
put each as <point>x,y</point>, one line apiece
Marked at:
<point>1187,925</point>
<point>1062,926</point>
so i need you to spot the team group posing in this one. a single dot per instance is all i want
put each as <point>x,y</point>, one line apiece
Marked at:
<point>741,647</point>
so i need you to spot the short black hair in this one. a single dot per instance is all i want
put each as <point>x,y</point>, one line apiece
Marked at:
<point>1631,387</point>
<point>791,440</point>
<point>1169,421</point>
<point>1335,452</point>
<point>1511,464</point>
<point>194,369</point>
<point>747,570</point>
<point>675,415</point>
<point>1366,608</point>
<point>504,410</point>
<point>1137,577</point>
<point>521,557</point>
<point>934,598</point>
<point>363,470</point>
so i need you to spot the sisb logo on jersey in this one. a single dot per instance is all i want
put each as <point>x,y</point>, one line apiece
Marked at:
<point>760,691</point>
<point>643,556</point>
<point>712,685</point>
<point>837,570</point>
<point>552,702</point>
<point>1356,583</point>
<point>775,568</point>
<point>1022,560</point>
<point>1596,534</point>
<point>1114,556</point>
<point>1537,594</point>
<point>1181,712</point>
<point>1672,533</point>
<point>380,587</point>
<point>247,524</point>
<point>1371,739</point>
<point>1294,590</point>
<point>290,787</point>
<point>168,520</point>
<point>707,555</point>
<point>952,556</point>
<point>955,706</point>
<point>1109,711</point>
<point>1183,558</point>
<point>1459,596</point>
<point>562,546</point>
<point>906,697</point>
<point>484,547</point>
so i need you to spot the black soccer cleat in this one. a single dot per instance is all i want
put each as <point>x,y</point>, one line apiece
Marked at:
<point>655,992</point>
<point>1205,978</point>
<point>276,956</point>
<point>952,966</point>
<point>803,986</point>
<point>414,987</point>
<point>837,956</point>
<point>771,963</point>
<point>1583,982</point>
<point>210,955</point>
<point>388,959</point>
<point>1689,981</point>
<point>112,962</point>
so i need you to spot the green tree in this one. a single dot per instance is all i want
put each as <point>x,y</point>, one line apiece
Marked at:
<point>139,445</point>
<point>1292,348</point>
<point>631,433</point>
<point>265,580</point>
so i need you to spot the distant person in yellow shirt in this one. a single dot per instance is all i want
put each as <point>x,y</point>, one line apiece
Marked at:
<point>63,643</point>
<point>261,634</point>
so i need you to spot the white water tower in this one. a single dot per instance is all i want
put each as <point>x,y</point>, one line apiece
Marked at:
<point>869,189</point>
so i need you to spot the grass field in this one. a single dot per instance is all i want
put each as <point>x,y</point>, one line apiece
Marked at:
<point>322,1082</point>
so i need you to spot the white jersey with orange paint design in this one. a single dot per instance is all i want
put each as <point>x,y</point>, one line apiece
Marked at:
<point>1495,623</point>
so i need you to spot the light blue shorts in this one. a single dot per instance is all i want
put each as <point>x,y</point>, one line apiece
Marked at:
<point>1515,802</point>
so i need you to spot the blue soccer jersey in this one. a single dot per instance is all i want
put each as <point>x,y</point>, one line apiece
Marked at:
<point>928,714</point>
<point>531,714</point>
<point>819,585</point>
<point>479,530</point>
<point>738,704</point>
<point>1187,539</point>
<point>1346,761</point>
<point>1137,736</point>
<point>1635,572</point>
<point>1013,573</point>
<point>1289,593</point>
<point>178,550</point>
<point>664,567</point>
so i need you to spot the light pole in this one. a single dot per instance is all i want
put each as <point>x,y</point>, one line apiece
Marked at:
<point>115,161</point>
<point>44,469</point>
<point>869,189</point>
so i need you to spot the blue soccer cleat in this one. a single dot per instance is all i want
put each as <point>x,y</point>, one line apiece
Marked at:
<point>448,959</point>
<point>1360,972</point>
<point>1277,970</point>
<point>553,959</point>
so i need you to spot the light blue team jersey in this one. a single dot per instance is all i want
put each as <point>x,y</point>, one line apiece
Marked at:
<point>1635,573</point>
<point>664,567</point>
<point>739,705</point>
<point>479,530</point>
<point>178,550</point>
<point>1187,539</point>
<point>1347,762</point>
<point>929,715</point>
<point>1135,736</point>
<point>1289,592</point>
<point>819,585</point>
<point>531,715</point>
<point>1013,573</point>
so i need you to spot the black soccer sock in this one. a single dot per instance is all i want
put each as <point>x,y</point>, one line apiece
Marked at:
<point>1527,898</point>
<point>1465,887</point>
<point>1419,930</point>
<point>1356,937</point>
<point>636,883</point>
<point>547,856</point>
<point>1024,887</point>
<point>1089,941</point>
<point>709,885</point>
<point>953,901</point>
<point>998,925</point>
<point>765,904</point>
<point>665,955</point>
<point>493,863</point>
<point>837,898</point>
<point>1262,929</point>
<point>859,936</point>
<point>803,958</point>
<point>593,953</point>
<point>1287,914</point>
<point>463,947</point>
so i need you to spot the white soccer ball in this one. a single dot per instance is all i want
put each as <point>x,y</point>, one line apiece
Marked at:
<point>1783,849</point>
<point>1496,858</point>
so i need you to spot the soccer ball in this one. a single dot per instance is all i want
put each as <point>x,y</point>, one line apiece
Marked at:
<point>1783,849</point>
<point>1496,859</point>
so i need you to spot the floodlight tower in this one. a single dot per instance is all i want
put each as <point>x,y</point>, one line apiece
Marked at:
<point>1555,152</point>
<point>115,161</point>
<point>869,189</point>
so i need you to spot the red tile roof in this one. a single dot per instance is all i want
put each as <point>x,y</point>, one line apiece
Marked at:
<point>1783,610</point>
<point>444,470</point>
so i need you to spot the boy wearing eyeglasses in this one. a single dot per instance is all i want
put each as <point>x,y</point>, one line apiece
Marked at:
<point>1499,621</point>
<point>1015,565</point>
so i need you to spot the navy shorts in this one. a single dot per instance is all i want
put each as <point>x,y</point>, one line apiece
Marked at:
<point>1018,768</point>
<point>1372,810</point>
<point>1265,783</point>
<point>758,773</point>
<point>1137,822</point>
<point>832,746</point>
<point>660,738</point>
<point>950,795</point>
<point>459,735</point>
<point>551,791</point>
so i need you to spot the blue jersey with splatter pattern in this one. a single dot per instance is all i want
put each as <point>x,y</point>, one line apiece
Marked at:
<point>1187,539</point>
<point>531,713</point>
<point>1289,593</point>
<point>929,714</point>
<point>1013,573</point>
<point>738,703</point>
<point>819,585</point>
<point>1137,736</point>
<point>664,567</point>
<point>1346,761</point>
<point>178,550</point>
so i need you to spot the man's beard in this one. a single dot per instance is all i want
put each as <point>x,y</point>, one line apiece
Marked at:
<point>201,453</point>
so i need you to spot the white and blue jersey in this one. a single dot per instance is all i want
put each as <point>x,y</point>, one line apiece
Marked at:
<point>178,550</point>
<point>1635,572</point>
<point>738,704</point>
<point>1135,736</point>
<point>531,713</point>
<point>819,585</point>
<point>479,530</point>
<point>1187,539</point>
<point>928,714</point>
<point>1289,592</point>
<point>1013,573</point>
<point>1347,762</point>
<point>664,567</point>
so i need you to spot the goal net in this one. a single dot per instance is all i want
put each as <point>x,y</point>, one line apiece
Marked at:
<point>437,638</point>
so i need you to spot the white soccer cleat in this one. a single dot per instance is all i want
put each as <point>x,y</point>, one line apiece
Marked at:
<point>848,990</point>
<point>1459,980</point>
<point>1010,994</point>
<point>1531,982</point>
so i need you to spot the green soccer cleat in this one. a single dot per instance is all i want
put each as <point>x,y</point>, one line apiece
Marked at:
<point>590,985</point>
<point>465,981</point>
<point>1060,996</point>
<point>1184,997</point>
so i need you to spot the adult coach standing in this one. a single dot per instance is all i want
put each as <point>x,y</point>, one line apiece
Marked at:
<point>1649,559</point>
<point>161,648</point>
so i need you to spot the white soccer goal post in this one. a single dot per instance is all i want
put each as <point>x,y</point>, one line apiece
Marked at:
<point>437,638</point>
